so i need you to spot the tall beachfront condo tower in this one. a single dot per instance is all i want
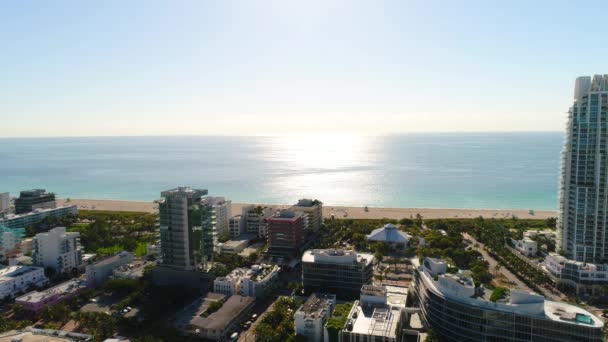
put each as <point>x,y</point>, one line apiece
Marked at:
<point>215,216</point>
<point>583,218</point>
<point>179,211</point>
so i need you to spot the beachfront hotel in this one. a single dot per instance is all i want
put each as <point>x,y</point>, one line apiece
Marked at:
<point>215,213</point>
<point>178,210</point>
<point>582,221</point>
<point>36,216</point>
<point>457,311</point>
<point>30,200</point>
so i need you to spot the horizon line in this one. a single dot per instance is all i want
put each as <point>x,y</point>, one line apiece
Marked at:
<point>278,135</point>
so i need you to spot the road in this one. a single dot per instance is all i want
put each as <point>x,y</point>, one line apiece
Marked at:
<point>493,262</point>
<point>510,276</point>
<point>260,309</point>
<point>263,306</point>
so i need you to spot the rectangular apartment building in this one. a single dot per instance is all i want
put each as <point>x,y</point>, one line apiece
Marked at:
<point>285,234</point>
<point>336,271</point>
<point>58,249</point>
<point>179,211</point>
<point>36,216</point>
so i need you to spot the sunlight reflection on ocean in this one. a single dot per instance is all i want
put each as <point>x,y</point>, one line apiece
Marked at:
<point>481,170</point>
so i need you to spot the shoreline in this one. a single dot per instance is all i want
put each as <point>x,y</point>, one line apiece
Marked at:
<point>340,212</point>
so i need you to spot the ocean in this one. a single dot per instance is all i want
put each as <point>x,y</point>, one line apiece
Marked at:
<point>439,170</point>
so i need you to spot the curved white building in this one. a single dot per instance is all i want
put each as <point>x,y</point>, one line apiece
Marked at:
<point>452,307</point>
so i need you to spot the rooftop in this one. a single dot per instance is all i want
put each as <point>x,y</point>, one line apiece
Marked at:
<point>460,288</point>
<point>337,256</point>
<point>286,215</point>
<point>316,304</point>
<point>388,233</point>
<point>35,212</point>
<point>196,308</point>
<point>11,272</point>
<point>184,190</point>
<point>377,321</point>
<point>30,334</point>
<point>134,269</point>
<point>114,258</point>
<point>68,287</point>
<point>220,319</point>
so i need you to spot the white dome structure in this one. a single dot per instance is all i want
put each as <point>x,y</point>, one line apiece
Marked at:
<point>389,234</point>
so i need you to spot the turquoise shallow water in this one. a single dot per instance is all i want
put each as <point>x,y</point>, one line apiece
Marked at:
<point>481,170</point>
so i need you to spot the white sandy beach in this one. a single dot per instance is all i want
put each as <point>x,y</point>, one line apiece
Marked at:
<point>337,211</point>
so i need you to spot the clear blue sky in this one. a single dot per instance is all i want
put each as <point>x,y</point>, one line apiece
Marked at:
<point>271,67</point>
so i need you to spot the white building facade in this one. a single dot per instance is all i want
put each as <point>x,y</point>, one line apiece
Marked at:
<point>236,226</point>
<point>259,280</point>
<point>310,318</point>
<point>583,217</point>
<point>457,311</point>
<point>231,283</point>
<point>57,249</point>
<point>15,279</point>
<point>526,246</point>
<point>36,216</point>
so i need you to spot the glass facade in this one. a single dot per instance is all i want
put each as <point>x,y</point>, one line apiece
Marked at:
<point>584,178</point>
<point>345,280</point>
<point>461,322</point>
<point>179,213</point>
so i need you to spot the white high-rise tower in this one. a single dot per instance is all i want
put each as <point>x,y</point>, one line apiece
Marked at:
<point>583,218</point>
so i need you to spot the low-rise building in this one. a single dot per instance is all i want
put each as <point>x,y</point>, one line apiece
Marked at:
<point>526,246</point>
<point>133,270</point>
<point>259,280</point>
<point>374,317</point>
<point>220,323</point>
<point>547,233</point>
<point>256,281</point>
<point>237,244</point>
<point>31,334</point>
<point>35,301</point>
<point>15,279</point>
<point>97,273</point>
<point>231,283</point>
<point>581,277</point>
<point>389,234</point>
<point>336,271</point>
<point>36,216</point>
<point>310,318</point>
<point>457,311</point>
<point>58,249</point>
